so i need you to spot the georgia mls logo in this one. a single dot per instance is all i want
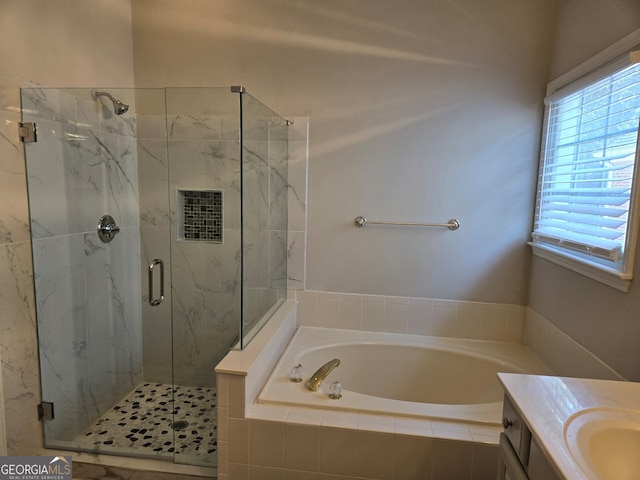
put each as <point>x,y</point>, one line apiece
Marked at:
<point>35,468</point>
<point>60,466</point>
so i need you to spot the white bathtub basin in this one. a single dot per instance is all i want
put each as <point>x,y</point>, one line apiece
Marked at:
<point>401,375</point>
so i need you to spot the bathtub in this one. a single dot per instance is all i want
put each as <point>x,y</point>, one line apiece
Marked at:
<point>400,375</point>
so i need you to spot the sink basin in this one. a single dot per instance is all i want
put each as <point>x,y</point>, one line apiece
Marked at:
<point>605,443</point>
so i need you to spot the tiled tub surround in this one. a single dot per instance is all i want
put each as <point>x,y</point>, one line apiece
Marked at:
<point>450,318</point>
<point>415,316</point>
<point>261,441</point>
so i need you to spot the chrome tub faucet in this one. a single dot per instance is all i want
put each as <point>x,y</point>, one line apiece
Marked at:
<point>316,379</point>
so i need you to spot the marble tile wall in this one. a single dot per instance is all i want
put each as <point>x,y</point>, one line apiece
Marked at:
<point>18,342</point>
<point>204,276</point>
<point>264,216</point>
<point>203,154</point>
<point>3,433</point>
<point>297,201</point>
<point>155,235</point>
<point>83,166</point>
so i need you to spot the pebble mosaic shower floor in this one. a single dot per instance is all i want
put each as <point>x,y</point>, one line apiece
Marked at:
<point>146,421</point>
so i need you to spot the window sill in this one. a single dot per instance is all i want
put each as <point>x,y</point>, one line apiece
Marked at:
<point>593,270</point>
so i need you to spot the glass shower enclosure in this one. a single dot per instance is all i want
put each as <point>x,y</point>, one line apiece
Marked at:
<point>159,233</point>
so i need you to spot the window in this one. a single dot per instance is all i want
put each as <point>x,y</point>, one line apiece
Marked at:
<point>585,205</point>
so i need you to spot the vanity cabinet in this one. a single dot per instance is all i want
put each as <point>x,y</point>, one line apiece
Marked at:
<point>519,457</point>
<point>539,467</point>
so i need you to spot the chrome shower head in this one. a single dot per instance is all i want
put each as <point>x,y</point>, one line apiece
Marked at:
<point>118,107</point>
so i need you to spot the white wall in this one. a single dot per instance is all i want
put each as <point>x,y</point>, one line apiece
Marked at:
<point>67,43</point>
<point>53,43</point>
<point>586,27</point>
<point>603,320</point>
<point>419,111</point>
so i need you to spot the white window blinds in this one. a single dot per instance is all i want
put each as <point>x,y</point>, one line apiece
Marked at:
<point>588,161</point>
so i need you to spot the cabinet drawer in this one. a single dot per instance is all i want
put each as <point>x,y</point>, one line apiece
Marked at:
<point>516,431</point>
<point>509,467</point>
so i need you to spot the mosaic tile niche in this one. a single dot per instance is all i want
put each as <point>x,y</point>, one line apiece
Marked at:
<point>200,214</point>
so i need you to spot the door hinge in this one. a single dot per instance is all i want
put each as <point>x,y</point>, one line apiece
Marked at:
<point>27,132</point>
<point>45,411</point>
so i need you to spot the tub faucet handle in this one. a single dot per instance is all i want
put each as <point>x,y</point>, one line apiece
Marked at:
<point>296,374</point>
<point>335,390</point>
<point>316,379</point>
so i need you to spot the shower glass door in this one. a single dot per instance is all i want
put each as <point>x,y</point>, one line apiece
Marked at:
<point>158,221</point>
<point>205,240</point>
<point>227,180</point>
<point>82,172</point>
<point>105,352</point>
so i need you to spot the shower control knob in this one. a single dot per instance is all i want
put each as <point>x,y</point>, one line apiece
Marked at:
<point>107,228</point>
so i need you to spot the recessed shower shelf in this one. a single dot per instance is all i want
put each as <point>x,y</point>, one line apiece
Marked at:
<point>200,215</point>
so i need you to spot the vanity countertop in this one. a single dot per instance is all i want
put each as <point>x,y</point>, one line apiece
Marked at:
<point>547,403</point>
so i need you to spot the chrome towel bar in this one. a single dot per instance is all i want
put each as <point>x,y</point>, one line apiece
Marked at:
<point>452,224</point>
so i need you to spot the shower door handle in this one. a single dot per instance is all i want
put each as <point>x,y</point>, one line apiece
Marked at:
<point>154,302</point>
